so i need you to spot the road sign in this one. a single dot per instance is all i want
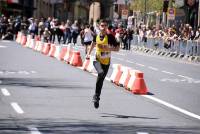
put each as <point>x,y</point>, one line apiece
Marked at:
<point>171,14</point>
<point>124,14</point>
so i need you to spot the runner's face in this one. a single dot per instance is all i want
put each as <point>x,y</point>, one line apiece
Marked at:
<point>103,27</point>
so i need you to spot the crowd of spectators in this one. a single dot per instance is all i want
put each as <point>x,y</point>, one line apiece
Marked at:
<point>67,31</point>
<point>184,32</point>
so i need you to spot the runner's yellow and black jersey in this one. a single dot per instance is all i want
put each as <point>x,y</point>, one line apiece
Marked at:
<point>104,56</point>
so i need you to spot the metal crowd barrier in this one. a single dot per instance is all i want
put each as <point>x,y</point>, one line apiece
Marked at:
<point>181,47</point>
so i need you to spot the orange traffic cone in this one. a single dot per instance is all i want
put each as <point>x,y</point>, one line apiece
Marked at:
<point>40,45</point>
<point>86,64</point>
<point>76,59</point>
<point>125,76</point>
<point>62,53</point>
<point>52,50</point>
<point>19,36</point>
<point>68,54</point>
<point>23,40</point>
<point>127,79</point>
<point>57,52</point>
<point>116,74</point>
<point>28,41</point>
<point>32,44</point>
<point>46,48</point>
<point>36,45</point>
<point>139,86</point>
<point>37,38</point>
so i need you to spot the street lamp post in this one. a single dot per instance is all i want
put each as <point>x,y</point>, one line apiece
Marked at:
<point>199,15</point>
<point>145,11</point>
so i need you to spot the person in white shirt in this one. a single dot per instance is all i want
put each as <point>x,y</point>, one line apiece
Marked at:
<point>88,37</point>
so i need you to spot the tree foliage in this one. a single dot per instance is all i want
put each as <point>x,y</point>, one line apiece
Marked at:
<point>151,5</point>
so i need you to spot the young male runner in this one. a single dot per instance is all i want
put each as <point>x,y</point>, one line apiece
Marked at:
<point>105,43</point>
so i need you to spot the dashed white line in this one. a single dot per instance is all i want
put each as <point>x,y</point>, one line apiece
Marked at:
<point>153,68</point>
<point>2,46</point>
<point>142,133</point>
<point>34,130</point>
<point>119,58</point>
<point>173,107</point>
<point>17,108</point>
<point>120,54</point>
<point>140,64</point>
<point>7,41</point>
<point>184,76</point>
<point>5,92</point>
<point>130,61</point>
<point>167,72</point>
<point>23,72</point>
<point>0,82</point>
<point>33,72</point>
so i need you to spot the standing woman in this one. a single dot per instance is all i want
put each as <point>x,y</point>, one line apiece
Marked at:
<point>75,31</point>
<point>88,38</point>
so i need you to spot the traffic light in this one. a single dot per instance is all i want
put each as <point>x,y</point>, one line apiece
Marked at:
<point>165,5</point>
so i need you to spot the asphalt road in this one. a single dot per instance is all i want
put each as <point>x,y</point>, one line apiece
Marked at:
<point>41,95</point>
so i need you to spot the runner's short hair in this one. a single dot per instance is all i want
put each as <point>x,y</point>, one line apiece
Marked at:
<point>103,21</point>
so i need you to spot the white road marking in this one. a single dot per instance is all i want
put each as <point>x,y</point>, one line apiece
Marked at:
<point>153,68</point>
<point>184,76</point>
<point>140,64</point>
<point>172,107</point>
<point>5,92</point>
<point>142,133</point>
<point>130,61</point>
<point>23,72</point>
<point>10,72</point>
<point>167,72</point>
<point>120,54</point>
<point>33,72</point>
<point>180,80</point>
<point>119,58</point>
<point>198,81</point>
<point>170,80</point>
<point>189,79</point>
<point>3,46</point>
<point>6,41</point>
<point>34,130</point>
<point>0,81</point>
<point>17,108</point>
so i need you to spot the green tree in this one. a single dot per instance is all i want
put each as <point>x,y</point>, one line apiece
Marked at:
<point>151,5</point>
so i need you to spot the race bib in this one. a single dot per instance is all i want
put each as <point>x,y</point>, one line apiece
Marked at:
<point>104,55</point>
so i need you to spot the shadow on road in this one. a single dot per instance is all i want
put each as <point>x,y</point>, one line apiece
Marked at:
<point>45,83</point>
<point>72,126</point>
<point>124,116</point>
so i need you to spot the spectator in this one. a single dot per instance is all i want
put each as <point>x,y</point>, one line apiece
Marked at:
<point>88,37</point>
<point>75,31</point>
<point>46,35</point>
